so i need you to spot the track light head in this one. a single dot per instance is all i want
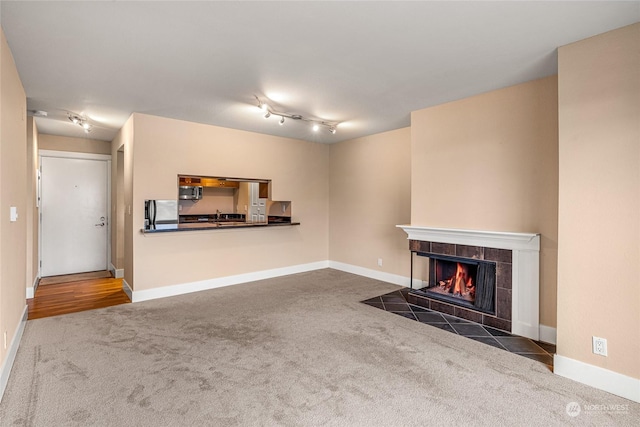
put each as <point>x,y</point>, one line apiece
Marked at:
<point>267,114</point>
<point>77,119</point>
<point>281,122</point>
<point>332,129</point>
<point>261,105</point>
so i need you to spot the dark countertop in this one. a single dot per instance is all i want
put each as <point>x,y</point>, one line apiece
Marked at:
<point>164,228</point>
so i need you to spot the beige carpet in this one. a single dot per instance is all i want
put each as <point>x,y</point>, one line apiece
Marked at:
<point>67,278</point>
<point>294,351</point>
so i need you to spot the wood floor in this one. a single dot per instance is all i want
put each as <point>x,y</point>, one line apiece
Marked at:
<point>66,278</point>
<point>78,294</point>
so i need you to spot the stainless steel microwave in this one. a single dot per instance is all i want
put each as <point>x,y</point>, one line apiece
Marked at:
<point>190,192</point>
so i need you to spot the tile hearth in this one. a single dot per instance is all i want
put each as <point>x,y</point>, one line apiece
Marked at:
<point>396,302</point>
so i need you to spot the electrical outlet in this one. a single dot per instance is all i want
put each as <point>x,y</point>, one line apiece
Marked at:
<point>599,346</point>
<point>379,262</point>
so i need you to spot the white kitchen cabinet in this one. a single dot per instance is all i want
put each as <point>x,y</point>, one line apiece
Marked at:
<point>255,207</point>
<point>258,210</point>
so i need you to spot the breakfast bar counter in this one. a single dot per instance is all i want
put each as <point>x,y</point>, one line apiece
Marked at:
<point>174,227</point>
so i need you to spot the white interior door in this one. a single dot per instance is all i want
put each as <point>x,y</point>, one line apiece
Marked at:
<point>258,206</point>
<point>74,215</point>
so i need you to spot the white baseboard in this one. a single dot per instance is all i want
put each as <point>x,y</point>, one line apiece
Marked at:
<point>372,274</point>
<point>127,289</point>
<point>600,378</point>
<point>118,273</point>
<point>31,292</point>
<point>203,285</point>
<point>547,334</point>
<point>5,371</point>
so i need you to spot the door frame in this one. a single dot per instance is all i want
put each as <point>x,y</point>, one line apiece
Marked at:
<point>73,155</point>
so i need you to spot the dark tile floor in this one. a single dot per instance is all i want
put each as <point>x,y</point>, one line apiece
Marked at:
<point>396,303</point>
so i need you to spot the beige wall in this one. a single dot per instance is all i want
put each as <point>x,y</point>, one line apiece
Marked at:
<point>121,204</point>
<point>118,206</point>
<point>13,192</point>
<point>370,187</point>
<point>490,162</point>
<point>78,145</point>
<point>32,203</point>
<point>599,211</point>
<point>164,148</point>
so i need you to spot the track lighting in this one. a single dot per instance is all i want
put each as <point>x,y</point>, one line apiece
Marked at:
<point>81,121</point>
<point>268,112</point>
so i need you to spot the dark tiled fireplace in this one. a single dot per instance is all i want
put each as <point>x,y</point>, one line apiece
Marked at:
<point>471,282</point>
<point>515,305</point>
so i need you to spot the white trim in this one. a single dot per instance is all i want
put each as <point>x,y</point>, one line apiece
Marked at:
<point>118,273</point>
<point>127,289</point>
<point>490,239</point>
<point>5,371</point>
<point>203,285</point>
<point>370,273</point>
<point>525,271</point>
<point>600,378</point>
<point>74,155</point>
<point>547,334</point>
<point>31,291</point>
<point>525,293</point>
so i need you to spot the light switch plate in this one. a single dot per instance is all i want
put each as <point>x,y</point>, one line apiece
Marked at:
<point>13,214</point>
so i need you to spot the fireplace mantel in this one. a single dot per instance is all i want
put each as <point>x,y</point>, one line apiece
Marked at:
<point>525,247</point>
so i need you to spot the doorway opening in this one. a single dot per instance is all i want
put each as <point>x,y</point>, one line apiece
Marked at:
<point>74,221</point>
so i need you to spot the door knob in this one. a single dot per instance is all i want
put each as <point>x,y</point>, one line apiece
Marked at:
<point>100,225</point>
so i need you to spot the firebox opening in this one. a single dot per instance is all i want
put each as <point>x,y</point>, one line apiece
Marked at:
<point>455,279</point>
<point>461,281</point>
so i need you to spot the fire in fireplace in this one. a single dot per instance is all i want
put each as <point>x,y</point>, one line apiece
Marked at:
<point>465,282</point>
<point>455,279</point>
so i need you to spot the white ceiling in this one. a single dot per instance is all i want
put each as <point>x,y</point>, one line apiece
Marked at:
<point>364,64</point>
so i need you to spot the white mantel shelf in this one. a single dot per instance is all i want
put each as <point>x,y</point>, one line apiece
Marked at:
<point>525,263</point>
<point>489,239</point>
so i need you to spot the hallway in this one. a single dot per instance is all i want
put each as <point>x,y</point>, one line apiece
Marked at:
<point>78,292</point>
